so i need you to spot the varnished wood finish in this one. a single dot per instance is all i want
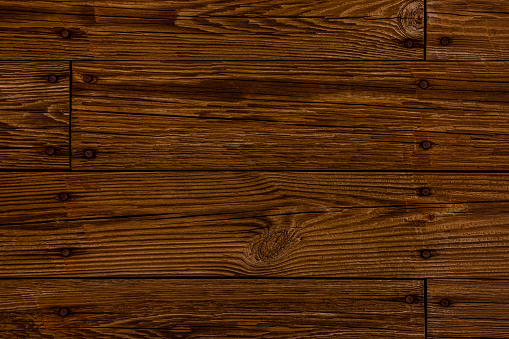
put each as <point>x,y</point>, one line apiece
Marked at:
<point>477,308</point>
<point>477,30</point>
<point>212,309</point>
<point>34,114</point>
<point>254,169</point>
<point>255,224</point>
<point>291,116</point>
<point>212,29</point>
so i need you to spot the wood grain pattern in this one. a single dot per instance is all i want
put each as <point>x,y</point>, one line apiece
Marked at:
<point>254,224</point>
<point>212,29</point>
<point>254,169</point>
<point>477,30</point>
<point>212,309</point>
<point>34,114</point>
<point>291,116</point>
<point>477,308</point>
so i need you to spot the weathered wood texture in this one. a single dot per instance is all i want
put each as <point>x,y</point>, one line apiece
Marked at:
<point>254,224</point>
<point>34,114</point>
<point>477,30</point>
<point>212,309</point>
<point>212,29</point>
<point>477,308</point>
<point>291,116</point>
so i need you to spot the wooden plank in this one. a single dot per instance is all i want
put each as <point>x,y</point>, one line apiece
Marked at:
<point>476,308</point>
<point>290,116</point>
<point>34,115</point>
<point>212,308</point>
<point>254,224</point>
<point>476,30</point>
<point>212,29</point>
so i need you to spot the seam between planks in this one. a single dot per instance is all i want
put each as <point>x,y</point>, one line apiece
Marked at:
<point>70,115</point>
<point>425,40</point>
<point>425,308</point>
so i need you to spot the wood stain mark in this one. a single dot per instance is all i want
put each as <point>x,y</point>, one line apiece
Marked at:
<point>272,245</point>
<point>411,20</point>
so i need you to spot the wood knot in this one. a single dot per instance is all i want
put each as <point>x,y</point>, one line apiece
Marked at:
<point>271,245</point>
<point>411,19</point>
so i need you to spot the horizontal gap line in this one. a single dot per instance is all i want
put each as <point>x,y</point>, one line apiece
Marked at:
<point>208,278</point>
<point>252,171</point>
<point>99,277</point>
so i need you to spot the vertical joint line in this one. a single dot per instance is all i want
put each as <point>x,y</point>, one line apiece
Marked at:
<point>425,28</point>
<point>425,308</point>
<point>70,114</point>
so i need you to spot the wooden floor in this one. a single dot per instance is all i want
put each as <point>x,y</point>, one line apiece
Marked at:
<point>254,169</point>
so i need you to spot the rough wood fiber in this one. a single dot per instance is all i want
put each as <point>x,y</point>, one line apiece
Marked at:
<point>212,29</point>
<point>34,114</point>
<point>477,309</point>
<point>212,309</point>
<point>291,116</point>
<point>477,30</point>
<point>254,224</point>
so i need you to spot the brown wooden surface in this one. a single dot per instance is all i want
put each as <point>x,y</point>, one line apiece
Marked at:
<point>477,308</point>
<point>212,309</point>
<point>212,29</point>
<point>254,169</point>
<point>291,116</point>
<point>34,114</point>
<point>254,224</point>
<point>477,30</point>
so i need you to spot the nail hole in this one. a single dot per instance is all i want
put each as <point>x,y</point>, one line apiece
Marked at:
<point>89,153</point>
<point>65,34</point>
<point>445,41</point>
<point>425,191</point>
<point>426,145</point>
<point>64,311</point>
<point>64,196</point>
<point>444,303</point>
<point>50,150</point>
<point>52,79</point>
<point>88,78</point>
<point>423,84</point>
<point>426,254</point>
